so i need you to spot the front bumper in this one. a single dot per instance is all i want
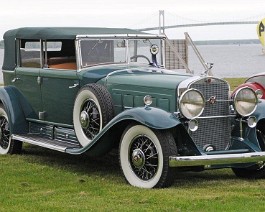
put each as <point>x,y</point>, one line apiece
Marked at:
<point>220,159</point>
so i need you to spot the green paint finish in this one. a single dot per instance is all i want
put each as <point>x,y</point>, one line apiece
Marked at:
<point>27,83</point>
<point>127,101</point>
<point>8,76</point>
<point>164,104</point>
<point>138,101</point>
<point>58,94</point>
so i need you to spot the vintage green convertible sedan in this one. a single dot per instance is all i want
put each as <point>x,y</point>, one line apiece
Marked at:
<point>78,90</point>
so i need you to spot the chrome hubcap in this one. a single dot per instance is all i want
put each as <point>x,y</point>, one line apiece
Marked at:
<point>138,158</point>
<point>90,118</point>
<point>84,119</point>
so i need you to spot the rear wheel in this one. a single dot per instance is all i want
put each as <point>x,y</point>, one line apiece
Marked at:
<point>144,157</point>
<point>258,170</point>
<point>7,145</point>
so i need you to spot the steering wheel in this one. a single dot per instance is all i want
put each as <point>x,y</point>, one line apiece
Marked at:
<point>143,56</point>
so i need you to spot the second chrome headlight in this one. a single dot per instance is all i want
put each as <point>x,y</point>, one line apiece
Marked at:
<point>245,101</point>
<point>191,103</point>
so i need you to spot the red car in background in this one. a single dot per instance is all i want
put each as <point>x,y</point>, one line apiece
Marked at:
<point>257,83</point>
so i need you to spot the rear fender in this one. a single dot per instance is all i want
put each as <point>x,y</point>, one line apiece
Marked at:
<point>17,109</point>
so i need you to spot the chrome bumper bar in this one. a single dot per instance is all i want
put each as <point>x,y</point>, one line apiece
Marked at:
<point>208,160</point>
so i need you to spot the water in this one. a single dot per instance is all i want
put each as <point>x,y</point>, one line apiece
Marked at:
<point>229,60</point>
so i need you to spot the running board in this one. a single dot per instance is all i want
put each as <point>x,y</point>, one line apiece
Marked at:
<point>221,159</point>
<point>45,142</point>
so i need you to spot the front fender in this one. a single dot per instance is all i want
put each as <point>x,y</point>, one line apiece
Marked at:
<point>260,111</point>
<point>151,117</point>
<point>17,109</point>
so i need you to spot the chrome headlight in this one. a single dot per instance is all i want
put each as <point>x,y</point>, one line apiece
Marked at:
<point>245,101</point>
<point>191,103</point>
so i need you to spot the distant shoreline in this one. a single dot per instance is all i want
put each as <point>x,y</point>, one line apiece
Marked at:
<point>205,42</point>
<point>227,42</point>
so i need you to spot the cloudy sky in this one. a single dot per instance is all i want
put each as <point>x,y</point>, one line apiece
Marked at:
<point>136,14</point>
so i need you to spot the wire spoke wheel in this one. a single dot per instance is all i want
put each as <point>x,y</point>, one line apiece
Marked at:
<point>144,157</point>
<point>4,132</point>
<point>90,118</point>
<point>7,145</point>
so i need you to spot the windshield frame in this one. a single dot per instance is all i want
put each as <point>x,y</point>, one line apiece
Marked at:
<point>127,38</point>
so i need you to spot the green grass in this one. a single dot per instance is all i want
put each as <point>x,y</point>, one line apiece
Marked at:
<point>234,82</point>
<point>45,180</point>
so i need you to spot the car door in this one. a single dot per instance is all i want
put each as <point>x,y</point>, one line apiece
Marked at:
<point>27,73</point>
<point>58,89</point>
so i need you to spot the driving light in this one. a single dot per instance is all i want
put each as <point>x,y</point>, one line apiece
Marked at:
<point>148,100</point>
<point>193,125</point>
<point>252,122</point>
<point>245,101</point>
<point>191,103</point>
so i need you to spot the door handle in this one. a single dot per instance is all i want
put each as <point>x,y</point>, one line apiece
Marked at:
<point>15,79</point>
<point>74,86</point>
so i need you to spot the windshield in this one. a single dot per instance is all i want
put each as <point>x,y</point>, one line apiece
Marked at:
<point>105,51</point>
<point>139,50</point>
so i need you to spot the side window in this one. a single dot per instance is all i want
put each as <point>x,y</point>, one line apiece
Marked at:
<point>60,54</point>
<point>30,54</point>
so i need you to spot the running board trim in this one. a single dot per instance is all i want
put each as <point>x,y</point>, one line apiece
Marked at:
<point>221,159</point>
<point>38,143</point>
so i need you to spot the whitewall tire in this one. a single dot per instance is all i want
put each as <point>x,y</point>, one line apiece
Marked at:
<point>7,145</point>
<point>144,157</point>
<point>93,109</point>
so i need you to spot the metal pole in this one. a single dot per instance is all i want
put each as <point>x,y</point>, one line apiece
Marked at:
<point>161,22</point>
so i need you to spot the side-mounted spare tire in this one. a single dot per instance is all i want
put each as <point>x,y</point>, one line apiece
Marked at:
<point>7,145</point>
<point>93,109</point>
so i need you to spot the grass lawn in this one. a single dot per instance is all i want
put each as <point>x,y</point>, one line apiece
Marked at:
<point>45,180</point>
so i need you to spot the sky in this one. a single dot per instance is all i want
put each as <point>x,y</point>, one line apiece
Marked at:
<point>136,14</point>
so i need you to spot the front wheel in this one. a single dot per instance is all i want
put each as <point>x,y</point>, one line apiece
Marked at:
<point>7,145</point>
<point>144,157</point>
<point>258,170</point>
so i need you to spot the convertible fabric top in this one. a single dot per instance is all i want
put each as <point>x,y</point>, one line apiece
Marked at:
<point>64,32</point>
<point>50,33</point>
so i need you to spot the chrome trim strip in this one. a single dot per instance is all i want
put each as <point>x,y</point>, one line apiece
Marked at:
<point>49,123</point>
<point>129,36</point>
<point>210,117</point>
<point>127,107</point>
<point>34,142</point>
<point>185,83</point>
<point>208,160</point>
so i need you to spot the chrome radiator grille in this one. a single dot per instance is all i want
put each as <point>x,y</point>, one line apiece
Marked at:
<point>213,130</point>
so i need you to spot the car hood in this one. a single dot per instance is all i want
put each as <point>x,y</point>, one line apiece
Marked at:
<point>134,75</point>
<point>147,77</point>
